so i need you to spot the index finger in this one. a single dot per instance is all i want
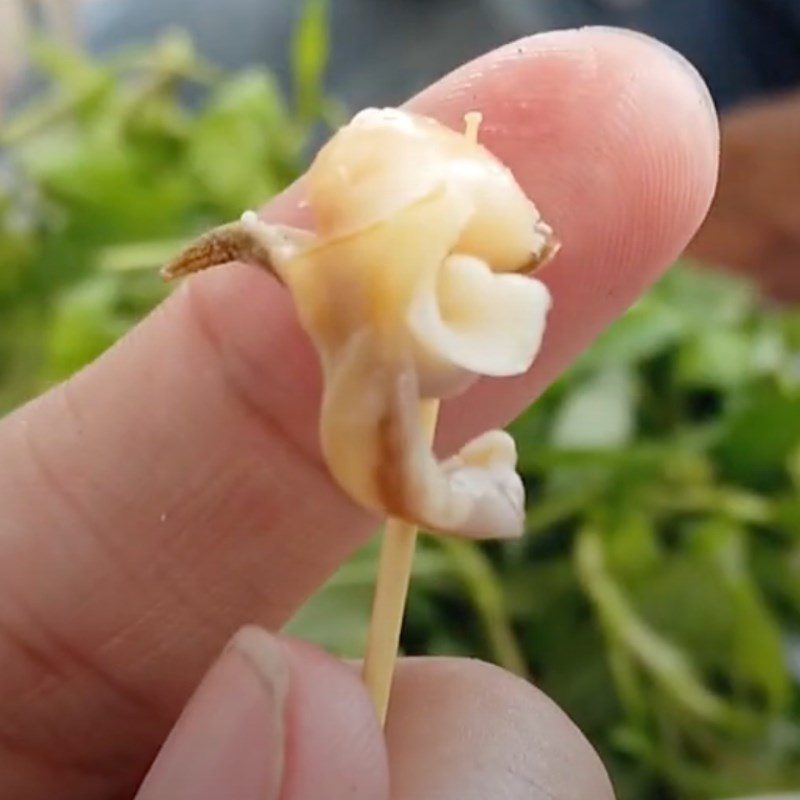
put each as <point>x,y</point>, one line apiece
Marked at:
<point>174,489</point>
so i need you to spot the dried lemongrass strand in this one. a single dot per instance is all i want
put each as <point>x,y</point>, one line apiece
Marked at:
<point>411,287</point>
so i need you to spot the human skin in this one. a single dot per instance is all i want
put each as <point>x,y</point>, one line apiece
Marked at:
<point>173,490</point>
<point>754,224</point>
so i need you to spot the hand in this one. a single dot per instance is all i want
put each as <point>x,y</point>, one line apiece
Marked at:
<point>754,223</point>
<point>174,489</point>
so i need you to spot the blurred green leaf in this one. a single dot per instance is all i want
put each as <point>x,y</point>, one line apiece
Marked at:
<point>649,328</point>
<point>310,52</point>
<point>759,434</point>
<point>239,149</point>
<point>708,299</point>
<point>84,324</point>
<point>757,654</point>
<point>336,618</point>
<point>482,584</point>
<point>666,664</point>
<point>721,359</point>
<point>106,168</point>
<point>598,414</point>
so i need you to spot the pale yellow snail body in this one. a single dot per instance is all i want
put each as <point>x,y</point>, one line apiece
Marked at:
<point>411,287</point>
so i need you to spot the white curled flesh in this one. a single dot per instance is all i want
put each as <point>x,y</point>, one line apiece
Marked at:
<point>413,284</point>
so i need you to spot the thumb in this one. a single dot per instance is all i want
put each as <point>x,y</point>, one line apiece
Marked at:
<point>273,720</point>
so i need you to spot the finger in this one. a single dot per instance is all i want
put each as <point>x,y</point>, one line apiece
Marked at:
<point>466,729</point>
<point>273,720</point>
<point>174,488</point>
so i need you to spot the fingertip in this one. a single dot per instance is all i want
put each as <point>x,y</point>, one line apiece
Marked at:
<point>276,719</point>
<point>464,728</point>
<point>613,133</point>
<point>229,740</point>
<point>614,137</point>
<point>682,71</point>
<point>334,738</point>
<point>666,115</point>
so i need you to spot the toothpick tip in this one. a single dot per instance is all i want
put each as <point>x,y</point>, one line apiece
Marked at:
<point>472,124</point>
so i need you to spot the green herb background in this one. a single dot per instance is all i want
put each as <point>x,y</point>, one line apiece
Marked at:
<point>656,595</point>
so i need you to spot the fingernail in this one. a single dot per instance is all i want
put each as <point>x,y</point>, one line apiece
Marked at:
<point>229,740</point>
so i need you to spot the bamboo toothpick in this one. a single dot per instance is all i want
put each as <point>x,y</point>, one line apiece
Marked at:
<point>391,590</point>
<point>394,566</point>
